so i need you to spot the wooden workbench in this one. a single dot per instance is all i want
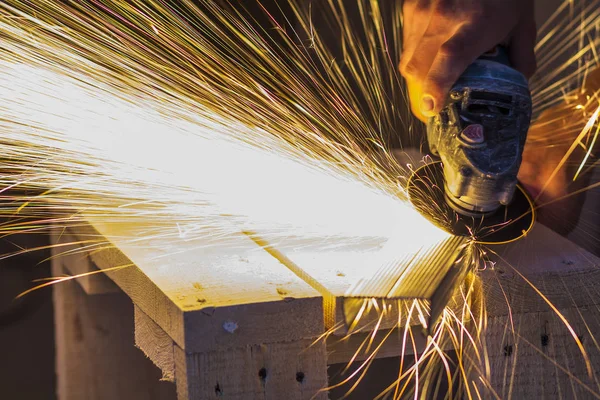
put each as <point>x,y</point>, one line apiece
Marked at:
<point>245,326</point>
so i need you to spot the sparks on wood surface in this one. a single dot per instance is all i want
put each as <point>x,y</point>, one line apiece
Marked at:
<point>192,121</point>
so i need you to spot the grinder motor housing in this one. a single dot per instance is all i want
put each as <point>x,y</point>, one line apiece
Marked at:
<point>480,134</point>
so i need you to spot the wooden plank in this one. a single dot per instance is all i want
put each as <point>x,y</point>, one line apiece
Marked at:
<point>158,346</point>
<point>95,356</point>
<point>567,275</point>
<point>531,337</point>
<point>294,370</point>
<point>391,273</point>
<point>208,298</point>
<point>539,358</point>
<point>236,369</point>
<point>555,256</point>
<point>154,343</point>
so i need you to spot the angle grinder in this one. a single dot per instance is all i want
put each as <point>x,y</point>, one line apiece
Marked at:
<point>479,137</point>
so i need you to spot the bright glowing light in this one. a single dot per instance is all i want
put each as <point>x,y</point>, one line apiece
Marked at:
<point>192,165</point>
<point>186,138</point>
<point>187,123</point>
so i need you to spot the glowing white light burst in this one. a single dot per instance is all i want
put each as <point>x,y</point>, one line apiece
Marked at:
<point>178,125</point>
<point>200,169</point>
<point>126,110</point>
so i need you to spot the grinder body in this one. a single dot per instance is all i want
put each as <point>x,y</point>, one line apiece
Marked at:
<point>480,135</point>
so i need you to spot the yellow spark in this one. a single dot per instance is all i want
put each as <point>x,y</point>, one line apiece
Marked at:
<point>200,128</point>
<point>54,281</point>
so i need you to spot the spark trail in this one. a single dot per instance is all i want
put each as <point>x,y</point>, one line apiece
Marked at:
<point>193,121</point>
<point>208,155</point>
<point>106,154</point>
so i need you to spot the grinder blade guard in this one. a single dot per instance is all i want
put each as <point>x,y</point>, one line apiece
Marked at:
<point>480,135</point>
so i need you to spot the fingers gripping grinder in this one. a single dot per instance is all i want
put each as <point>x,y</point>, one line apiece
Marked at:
<point>480,135</point>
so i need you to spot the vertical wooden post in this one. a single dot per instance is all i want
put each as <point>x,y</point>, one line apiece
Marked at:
<point>95,354</point>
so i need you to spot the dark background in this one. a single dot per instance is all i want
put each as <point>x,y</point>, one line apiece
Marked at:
<point>26,325</point>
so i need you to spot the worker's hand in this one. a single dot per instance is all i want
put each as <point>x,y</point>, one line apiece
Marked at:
<point>441,38</point>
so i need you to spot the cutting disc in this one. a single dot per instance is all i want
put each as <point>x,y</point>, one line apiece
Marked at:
<point>507,224</point>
